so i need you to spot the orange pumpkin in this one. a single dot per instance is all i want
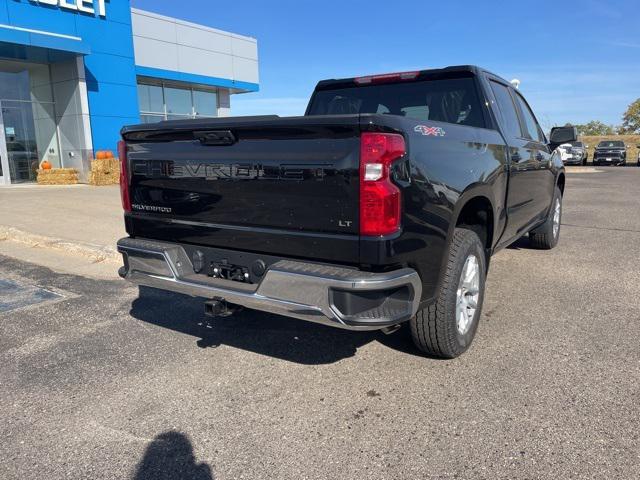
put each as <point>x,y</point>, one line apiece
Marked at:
<point>109,154</point>
<point>46,165</point>
<point>101,155</point>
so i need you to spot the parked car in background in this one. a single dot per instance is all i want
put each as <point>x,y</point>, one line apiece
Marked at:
<point>580,152</point>
<point>639,155</point>
<point>610,152</point>
<point>563,150</point>
<point>573,154</point>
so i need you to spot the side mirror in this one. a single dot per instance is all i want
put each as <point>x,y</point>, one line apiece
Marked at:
<point>561,135</point>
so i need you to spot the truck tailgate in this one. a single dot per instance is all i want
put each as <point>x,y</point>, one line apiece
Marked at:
<point>279,186</point>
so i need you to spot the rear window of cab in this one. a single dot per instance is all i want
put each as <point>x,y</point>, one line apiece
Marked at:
<point>451,100</point>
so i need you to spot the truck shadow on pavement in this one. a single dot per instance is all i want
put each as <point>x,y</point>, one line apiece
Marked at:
<point>522,243</point>
<point>271,335</point>
<point>170,457</point>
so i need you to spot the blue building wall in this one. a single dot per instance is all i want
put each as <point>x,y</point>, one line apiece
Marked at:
<point>109,65</point>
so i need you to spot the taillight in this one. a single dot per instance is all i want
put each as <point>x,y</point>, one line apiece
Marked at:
<point>124,176</point>
<point>380,199</point>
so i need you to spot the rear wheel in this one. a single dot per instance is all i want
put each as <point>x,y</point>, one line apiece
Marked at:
<point>546,236</point>
<point>447,327</point>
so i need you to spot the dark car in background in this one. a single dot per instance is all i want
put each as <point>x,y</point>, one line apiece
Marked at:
<point>610,152</point>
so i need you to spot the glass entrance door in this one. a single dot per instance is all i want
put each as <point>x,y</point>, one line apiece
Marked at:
<point>28,131</point>
<point>29,134</point>
<point>20,144</point>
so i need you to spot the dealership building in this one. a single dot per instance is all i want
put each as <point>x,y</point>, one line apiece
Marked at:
<point>73,72</point>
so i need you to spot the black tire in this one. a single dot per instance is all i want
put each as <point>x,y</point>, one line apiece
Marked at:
<point>434,329</point>
<point>545,237</point>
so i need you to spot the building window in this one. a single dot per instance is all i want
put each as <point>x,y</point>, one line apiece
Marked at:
<point>205,104</point>
<point>150,98</point>
<point>149,118</point>
<point>178,101</point>
<point>168,102</point>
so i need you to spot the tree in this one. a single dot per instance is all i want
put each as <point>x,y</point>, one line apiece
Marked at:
<point>595,127</point>
<point>631,119</point>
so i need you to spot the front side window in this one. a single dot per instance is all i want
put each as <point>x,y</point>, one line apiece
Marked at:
<point>534,131</point>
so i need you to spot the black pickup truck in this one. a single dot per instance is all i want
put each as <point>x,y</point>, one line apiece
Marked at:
<point>610,152</point>
<point>382,204</point>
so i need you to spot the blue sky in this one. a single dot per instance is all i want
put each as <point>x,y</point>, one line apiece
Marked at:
<point>577,60</point>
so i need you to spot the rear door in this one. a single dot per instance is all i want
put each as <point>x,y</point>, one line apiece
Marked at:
<point>523,165</point>
<point>544,179</point>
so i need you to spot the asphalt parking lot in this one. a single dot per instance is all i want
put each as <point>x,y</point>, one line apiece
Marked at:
<point>99,380</point>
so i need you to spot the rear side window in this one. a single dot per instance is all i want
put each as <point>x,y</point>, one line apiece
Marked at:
<point>507,109</point>
<point>452,100</point>
<point>535,133</point>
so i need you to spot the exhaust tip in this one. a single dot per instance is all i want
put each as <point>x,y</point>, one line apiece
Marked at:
<point>392,329</point>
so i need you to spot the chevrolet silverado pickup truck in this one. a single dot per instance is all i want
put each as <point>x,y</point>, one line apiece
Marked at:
<point>610,152</point>
<point>383,204</point>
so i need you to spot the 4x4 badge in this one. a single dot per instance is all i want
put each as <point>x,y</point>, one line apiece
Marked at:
<point>432,131</point>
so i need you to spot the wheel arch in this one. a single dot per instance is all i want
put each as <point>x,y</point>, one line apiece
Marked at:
<point>560,182</point>
<point>476,210</point>
<point>478,197</point>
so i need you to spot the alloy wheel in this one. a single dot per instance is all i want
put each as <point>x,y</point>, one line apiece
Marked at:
<point>468,294</point>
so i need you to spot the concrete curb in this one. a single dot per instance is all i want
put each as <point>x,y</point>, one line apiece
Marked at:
<point>96,253</point>
<point>582,170</point>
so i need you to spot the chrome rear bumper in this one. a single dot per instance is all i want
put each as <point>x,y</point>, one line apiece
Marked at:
<point>336,296</point>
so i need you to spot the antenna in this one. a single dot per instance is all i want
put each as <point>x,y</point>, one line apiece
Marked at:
<point>516,83</point>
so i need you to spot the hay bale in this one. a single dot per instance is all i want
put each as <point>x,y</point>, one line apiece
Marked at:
<point>58,176</point>
<point>105,172</point>
<point>106,166</point>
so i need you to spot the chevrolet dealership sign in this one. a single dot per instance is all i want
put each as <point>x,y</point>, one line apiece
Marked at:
<point>84,6</point>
